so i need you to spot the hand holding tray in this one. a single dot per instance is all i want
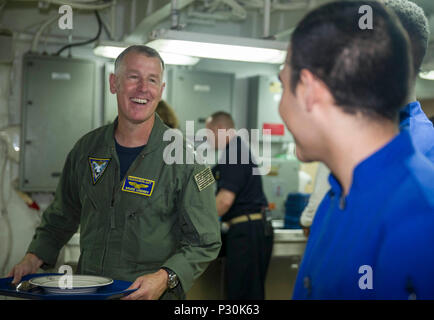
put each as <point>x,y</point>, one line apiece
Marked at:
<point>110,290</point>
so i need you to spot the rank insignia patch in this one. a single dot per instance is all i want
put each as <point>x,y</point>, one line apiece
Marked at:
<point>138,185</point>
<point>204,179</point>
<point>97,168</point>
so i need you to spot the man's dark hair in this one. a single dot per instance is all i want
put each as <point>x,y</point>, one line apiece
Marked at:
<point>142,49</point>
<point>222,117</point>
<point>366,70</point>
<point>415,22</point>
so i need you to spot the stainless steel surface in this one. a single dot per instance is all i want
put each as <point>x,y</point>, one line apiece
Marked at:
<point>289,243</point>
<point>289,236</point>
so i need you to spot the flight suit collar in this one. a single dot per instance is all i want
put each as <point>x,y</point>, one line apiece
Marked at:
<point>154,141</point>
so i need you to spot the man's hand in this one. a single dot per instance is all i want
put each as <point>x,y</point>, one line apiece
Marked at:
<point>306,231</point>
<point>29,264</point>
<point>150,286</point>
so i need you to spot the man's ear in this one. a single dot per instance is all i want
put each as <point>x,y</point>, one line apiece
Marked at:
<point>308,92</point>
<point>163,85</point>
<point>112,81</point>
<point>314,91</point>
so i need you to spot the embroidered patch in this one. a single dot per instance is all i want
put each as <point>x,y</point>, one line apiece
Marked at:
<point>204,179</point>
<point>97,168</point>
<point>138,185</point>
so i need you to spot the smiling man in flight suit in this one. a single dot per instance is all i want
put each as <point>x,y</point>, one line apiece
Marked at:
<point>140,219</point>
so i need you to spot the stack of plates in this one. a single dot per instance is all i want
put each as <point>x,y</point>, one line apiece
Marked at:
<point>81,284</point>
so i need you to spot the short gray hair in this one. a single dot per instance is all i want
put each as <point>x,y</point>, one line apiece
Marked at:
<point>141,49</point>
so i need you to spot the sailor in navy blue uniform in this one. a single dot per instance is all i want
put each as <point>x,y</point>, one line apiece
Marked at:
<point>240,202</point>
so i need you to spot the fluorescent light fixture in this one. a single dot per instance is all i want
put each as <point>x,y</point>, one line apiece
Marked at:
<point>178,59</point>
<point>427,75</point>
<point>112,50</point>
<point>108,51</point>
<point>218,47</point>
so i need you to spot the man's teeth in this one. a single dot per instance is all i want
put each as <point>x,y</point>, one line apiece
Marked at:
<point>139,100</point>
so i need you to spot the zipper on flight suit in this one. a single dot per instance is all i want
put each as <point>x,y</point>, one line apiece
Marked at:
<point>112,204</point>
<point>112,224</point>
<point>116,187</point>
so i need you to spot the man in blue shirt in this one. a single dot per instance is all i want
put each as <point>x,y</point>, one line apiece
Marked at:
<point>412,117</point>
<point>344,82</point>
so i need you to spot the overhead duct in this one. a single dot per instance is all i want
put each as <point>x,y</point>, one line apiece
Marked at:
<point>150,21</point>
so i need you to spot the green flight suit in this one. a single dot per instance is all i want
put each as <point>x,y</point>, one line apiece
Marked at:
<point>127,233</point>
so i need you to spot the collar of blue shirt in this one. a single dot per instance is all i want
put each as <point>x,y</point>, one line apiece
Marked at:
<point>410,110</point>
<point>380,163</point>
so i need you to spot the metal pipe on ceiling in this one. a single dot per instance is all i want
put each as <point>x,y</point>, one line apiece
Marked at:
<point>174,14</point>
<point>267,12</point>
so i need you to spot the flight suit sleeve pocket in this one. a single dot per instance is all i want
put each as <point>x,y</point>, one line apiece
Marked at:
<point>189,234</point>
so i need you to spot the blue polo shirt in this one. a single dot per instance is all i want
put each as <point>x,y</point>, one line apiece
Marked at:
<point>237,176</point>
<point>377,242</point>
<point>421,129</point>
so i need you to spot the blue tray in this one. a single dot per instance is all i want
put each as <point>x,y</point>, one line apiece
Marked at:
<point>116,290</point>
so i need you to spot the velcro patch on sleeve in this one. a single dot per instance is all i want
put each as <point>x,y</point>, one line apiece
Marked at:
<point>204,178</point>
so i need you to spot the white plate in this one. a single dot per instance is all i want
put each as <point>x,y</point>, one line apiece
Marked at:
<point>80,284</point>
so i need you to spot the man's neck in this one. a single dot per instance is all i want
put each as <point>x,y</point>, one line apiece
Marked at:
<point>132,135</point>
<point>411,96</point>
<point>354,143</point>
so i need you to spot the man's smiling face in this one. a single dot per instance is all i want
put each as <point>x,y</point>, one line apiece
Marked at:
<point>138,85</point>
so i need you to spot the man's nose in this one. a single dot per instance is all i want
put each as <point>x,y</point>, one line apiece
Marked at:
<point>142,85</point>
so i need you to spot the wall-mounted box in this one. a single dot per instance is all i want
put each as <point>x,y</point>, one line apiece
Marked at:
<point>195,95</point>
<point>6,45</point>
<point>57,109</point>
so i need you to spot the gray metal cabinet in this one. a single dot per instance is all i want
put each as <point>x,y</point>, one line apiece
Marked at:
<point>264,98</point>
<point>57,109</point>
<point>195,95</point>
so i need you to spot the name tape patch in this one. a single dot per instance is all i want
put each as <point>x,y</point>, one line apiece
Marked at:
<point>97,168</point>
<point>138,185</point>
<point>204,179</point>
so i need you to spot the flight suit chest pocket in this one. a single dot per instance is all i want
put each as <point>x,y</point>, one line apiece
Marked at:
<point>157,207</point>
<point>93,215</point>
<point>89,222</point>
<point>148,235</point>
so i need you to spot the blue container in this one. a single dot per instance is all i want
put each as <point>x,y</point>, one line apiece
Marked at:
<point>294,206</point>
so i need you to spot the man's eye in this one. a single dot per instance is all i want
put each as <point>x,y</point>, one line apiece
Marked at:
<point>132,76</point>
